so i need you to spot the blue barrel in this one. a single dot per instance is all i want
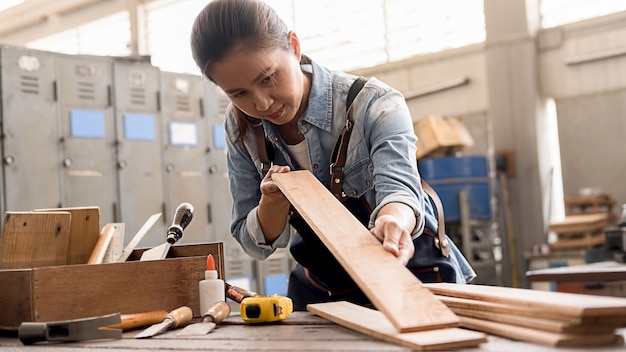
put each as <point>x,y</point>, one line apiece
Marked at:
<point>450,175</point>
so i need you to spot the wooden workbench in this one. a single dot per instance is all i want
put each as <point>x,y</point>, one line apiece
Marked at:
<point>301,331</point>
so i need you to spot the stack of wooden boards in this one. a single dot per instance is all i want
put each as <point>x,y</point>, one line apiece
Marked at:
<point>543,317</point>
<point>60,236</point>
<point>593,204</point>
<point>580,231</point>
<point>411,313</point>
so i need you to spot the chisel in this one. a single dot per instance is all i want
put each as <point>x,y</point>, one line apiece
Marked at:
<point>182,218</point>
<point>139,320</point>
<point>179,317</point>
<point>214,316</point>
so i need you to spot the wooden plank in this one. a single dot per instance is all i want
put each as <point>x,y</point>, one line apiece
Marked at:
<point>559,303</point>
<point>593,272</point>
<point>542,337</point>
<point>84,232</point>
<point>536,323</point>
<point>94,290</point>
<point>34,239</point>
<point>391,287</point>
<point>16,297</point>
<point>374,323</point>
<point>525,311</point>
<point>499,308</point>
<point>580,242</point>
<point>580,223</point>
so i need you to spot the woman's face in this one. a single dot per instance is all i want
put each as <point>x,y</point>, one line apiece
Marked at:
<point>266,84</point>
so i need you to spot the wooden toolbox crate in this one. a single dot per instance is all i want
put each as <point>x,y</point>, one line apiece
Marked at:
<point>55,293</point>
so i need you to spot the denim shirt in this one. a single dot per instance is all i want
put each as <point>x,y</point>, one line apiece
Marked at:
<point>380,165</point>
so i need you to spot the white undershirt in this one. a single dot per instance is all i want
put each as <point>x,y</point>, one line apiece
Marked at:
<point>300,155</point>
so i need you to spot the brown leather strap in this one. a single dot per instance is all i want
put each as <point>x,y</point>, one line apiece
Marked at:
<point>340,151</point>
<point>441,241</point>
<point>259,136</point>
<point>338,162</point>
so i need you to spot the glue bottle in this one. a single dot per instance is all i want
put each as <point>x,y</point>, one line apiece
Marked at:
<point>212,289</point>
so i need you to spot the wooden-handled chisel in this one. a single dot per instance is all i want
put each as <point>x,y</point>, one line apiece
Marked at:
<point>179,317</point>
<point>139,320</point>
<point>214,316</point>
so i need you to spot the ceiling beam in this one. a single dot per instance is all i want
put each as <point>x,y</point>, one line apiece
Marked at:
<point>36,19</point>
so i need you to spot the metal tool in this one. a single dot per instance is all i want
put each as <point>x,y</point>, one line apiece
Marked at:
<point>265,309</point>
<point>182,218</point>
<point>179,317</point>
<point>138,236</point>
<point>94,328</point>
<point>212,317</point>
<point>237,294</point>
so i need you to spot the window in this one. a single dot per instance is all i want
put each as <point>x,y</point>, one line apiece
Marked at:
<point>344,35</point>
<point>558,12</point>
<point>107,36</point>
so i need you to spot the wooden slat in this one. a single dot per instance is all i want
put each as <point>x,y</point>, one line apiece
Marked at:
<point>391,287</point>
<point>102,289</point>
<point>15,307</point>
<point>580,223</point>
<point>34,239</point>
<point>84,232</point>
<point>564,304</point>
<point>374,323</point>
<point>526,311</point>
<point>500,308</point>
<point>593,272</point>
<point>536,323</point>
<point>541,337</point>
<point>580,241</point>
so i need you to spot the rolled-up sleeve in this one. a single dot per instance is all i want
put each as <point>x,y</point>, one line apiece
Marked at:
<point>245,179</point>
<point>389,129</point>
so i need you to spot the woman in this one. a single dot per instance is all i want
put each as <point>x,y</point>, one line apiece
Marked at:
<point>299,107</point>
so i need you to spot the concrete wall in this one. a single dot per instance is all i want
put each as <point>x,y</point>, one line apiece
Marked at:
<point>508,81</point>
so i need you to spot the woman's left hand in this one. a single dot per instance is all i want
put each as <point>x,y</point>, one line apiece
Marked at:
<point>395,237</point>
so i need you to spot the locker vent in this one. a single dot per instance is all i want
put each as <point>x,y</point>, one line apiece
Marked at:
<point>182,103</point>
<point>86,91</point>
<point>29,84</point>
<point>235,268</point>
<point>222,104</point>
<point>275,265</point>
<point>138,96</point>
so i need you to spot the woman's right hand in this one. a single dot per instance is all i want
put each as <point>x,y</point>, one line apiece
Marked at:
<point>269,189</point>
<point>273,206</point>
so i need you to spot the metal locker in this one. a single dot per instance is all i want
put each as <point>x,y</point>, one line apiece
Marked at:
<point>30,147</point>
<point>273,273</point>
<point>240,267</point>
<point>139,159</point>
<point>220,201</point>
<point>87,134</point>
<point>185,151</point>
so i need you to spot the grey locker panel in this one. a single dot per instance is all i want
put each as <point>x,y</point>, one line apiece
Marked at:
<point>30,130</point>
<point>87,134</point>
<point>220,200</point>
<point>273,273</point>
<point>185,153</point>
<point>139,159</point>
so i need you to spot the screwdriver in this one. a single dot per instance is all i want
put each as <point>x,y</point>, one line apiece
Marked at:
<point>174,319</point>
